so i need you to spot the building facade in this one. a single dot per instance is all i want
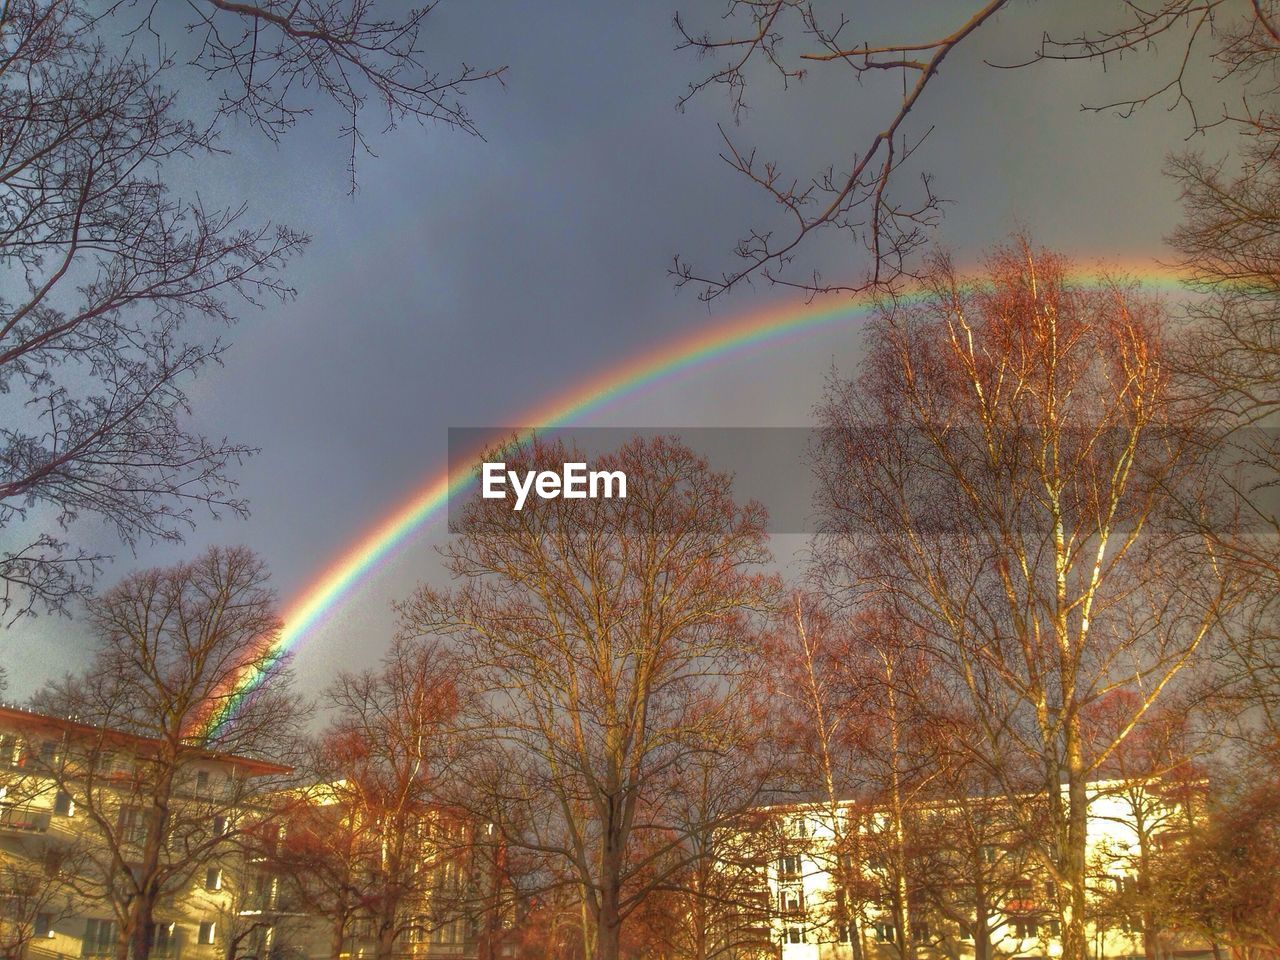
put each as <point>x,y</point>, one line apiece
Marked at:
<point>78,828</point>
<point>240,869</point>
<point>960,881</point>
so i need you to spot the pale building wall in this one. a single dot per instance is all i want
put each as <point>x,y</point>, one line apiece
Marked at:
<point>37,823</point>
<point>1111,845</point>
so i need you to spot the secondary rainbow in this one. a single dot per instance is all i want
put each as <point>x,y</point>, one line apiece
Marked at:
<point>688,352</point>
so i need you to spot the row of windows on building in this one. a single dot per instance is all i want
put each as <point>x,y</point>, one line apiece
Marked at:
<point>18,753</point>
<point>1022,928</point>
<point>423,930</point>
<point>793,865</point>
<point>101,936</point>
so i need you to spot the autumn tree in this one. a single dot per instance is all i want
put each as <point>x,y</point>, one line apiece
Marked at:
<point>716,903</point>
<point>817,698</point>
<point>973,866</point>
<point>384,841</point>
<point>853,688</point>
<point>116,289</point>
<point>1009,471</point>
<point>612,640</point>
<point>1222,882</point>
<point>167,789</point>
<point>1155,788</point>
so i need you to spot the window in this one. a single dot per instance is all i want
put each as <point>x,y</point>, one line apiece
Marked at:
<point>1025,927</point>
<point>789,866</point>
<point>44,925</point>
<point>792,901</point>
<point>1055,928</point>
<point>794,934</point>
<point>885,933</point>
<point>799,827</point>
<point>213,879</point>
<point>10,750</point>
<point>844,934</point>
<point>262,895</point>
<point>132,826</point>
<point>206,932</point>
<point>164,942</point>
<point>920,930</point>
<point>99,938</point>
<point>202,780</point>
<point>219,826</point>
<point>363,927</point>
<point>63,805</point>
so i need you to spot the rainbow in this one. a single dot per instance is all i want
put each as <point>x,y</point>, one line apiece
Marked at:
<point>688,353</point>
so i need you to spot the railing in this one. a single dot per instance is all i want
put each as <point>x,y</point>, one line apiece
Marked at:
<point>24,819</point>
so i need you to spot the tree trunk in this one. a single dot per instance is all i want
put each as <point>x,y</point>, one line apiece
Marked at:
<point>338,934</point>
<point>386,940</point>
<point>609,921</point>
<point>590,923</point>
<point>902,907</point>
<point>124,941</point>
<point>140,939</point>
<point>1074,937</point>
<point>981,926</point>
<point>1150,930</point>
<point>855,935</point>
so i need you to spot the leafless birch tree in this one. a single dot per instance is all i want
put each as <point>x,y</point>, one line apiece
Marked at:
<point>1008,471</point>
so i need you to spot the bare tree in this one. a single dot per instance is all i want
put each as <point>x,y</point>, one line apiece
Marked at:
<point>1222,882</point>
<point>612,642</point>
<point>267,55</point>
<point>391,758</point>
<point>115,290</point>
<point>864,750</point>
<point>865,195</point>
<point>168,794</point>
<point>819,701</point>
<point>716,905</point>
<point>1008,472</point>
<point>974,868</point>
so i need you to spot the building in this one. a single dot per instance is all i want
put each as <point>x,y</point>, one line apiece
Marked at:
<point>77,827</point>
<point>246,866</point>
<point>965,875</point>
<point>352,877</point>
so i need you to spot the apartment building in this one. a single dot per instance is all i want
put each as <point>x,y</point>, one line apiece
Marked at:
<point>964,876</point>
<point>350,877</point>
<point>77,828</point>
<point>244,869</point>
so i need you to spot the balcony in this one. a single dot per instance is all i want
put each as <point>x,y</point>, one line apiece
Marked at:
<point>24,820</point>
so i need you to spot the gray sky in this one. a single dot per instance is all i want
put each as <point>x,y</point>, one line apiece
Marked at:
<point>467,279</point>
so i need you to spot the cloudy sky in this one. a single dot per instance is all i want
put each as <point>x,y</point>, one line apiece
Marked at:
<point>469,279</point>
